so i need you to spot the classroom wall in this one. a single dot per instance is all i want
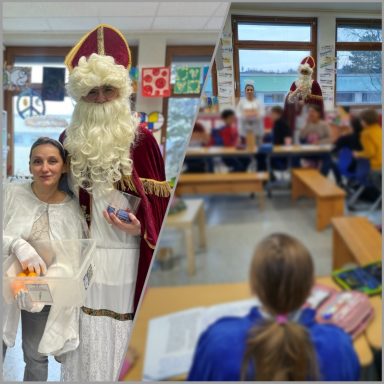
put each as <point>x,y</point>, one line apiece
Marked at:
<point>326,20</point>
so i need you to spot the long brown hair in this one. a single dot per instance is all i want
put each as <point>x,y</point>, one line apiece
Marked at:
<point>282,276</point>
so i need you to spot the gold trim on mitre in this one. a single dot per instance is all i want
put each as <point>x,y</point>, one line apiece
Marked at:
<point>100,41</point>
<point>72,53</point>
<point>306,61</point>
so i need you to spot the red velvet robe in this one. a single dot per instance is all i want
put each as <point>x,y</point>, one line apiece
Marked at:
<point>291,110</point>
<point>148,182</point>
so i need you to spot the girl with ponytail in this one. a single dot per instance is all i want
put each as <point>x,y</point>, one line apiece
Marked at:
<point>278,341</point>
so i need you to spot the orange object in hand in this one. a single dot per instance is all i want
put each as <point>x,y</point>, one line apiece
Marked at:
<point>18,285</point>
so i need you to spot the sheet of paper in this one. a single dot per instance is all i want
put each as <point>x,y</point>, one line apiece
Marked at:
<point>172,339</point>
<point>236,309</point>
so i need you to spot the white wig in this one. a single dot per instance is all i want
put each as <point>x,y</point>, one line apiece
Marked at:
<point>97,71</point>
<point>100,136</point>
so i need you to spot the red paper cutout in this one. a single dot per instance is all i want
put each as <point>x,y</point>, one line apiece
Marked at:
<point>156,82</point>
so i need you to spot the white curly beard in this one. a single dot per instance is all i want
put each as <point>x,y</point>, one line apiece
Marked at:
<point>305,82</point>
<point>98,141</point>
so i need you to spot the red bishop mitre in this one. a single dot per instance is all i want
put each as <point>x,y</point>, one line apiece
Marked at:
<point>104,40</point>
<point>309,60</point>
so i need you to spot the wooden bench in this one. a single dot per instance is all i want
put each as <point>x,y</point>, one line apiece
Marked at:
<point>222,183</point>
<point>355,239</point>
<point>329,197</point>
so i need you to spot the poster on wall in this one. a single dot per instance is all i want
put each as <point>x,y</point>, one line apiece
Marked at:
<point>187,80</point>
<point>326,72</point>
<point>53,87</point>
<point>225,72</point>
<point>16,78</point>
<point>155,82</point>
<point>134,76</point>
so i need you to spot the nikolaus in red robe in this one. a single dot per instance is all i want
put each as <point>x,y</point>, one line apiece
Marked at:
<point>147,182</point>
<point>303,91</point>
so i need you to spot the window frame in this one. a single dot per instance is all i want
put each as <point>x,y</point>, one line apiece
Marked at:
<point>181,50</point>
<point>271,45</point>
<point>356,46</point>
<point>10,54</point>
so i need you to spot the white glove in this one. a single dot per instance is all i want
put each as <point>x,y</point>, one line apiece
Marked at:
<point>23,301</point>
<point>28,257</point>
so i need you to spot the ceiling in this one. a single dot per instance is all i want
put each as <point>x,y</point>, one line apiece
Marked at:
<point>328,5</point>
<point>60,20</point>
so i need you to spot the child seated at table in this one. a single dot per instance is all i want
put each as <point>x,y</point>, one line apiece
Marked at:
<point>281,134</point>
<point>278,340</point>
<point>227,136</point>
<point>199,138</point>
<point>316,130</point>
<point>371,139</point>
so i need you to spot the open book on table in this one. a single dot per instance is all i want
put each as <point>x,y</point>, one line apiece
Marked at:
<point>171,339</point>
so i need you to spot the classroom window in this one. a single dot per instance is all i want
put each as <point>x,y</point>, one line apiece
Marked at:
<point>345,97</point>
<point>271,72</point>
<point>268,51</point>
<point>180,109</point>
<point>274,32</point>
<point>358,52</point>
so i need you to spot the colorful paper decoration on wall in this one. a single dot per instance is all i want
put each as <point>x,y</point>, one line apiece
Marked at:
<point>134,76</point>
<point>152,121</point>
<point>155,82</point>
<point>16,78</point>
<point>53,88</point>
<point>187,80</point>
<point>29,103</point>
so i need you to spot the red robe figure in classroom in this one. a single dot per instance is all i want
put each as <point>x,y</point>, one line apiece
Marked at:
<point>108,152</point>
<point>303,91</point>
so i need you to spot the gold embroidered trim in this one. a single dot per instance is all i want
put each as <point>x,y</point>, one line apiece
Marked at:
<point>108,313</point>
<point>100,41</point>
<point>150,245</point>
<point>151,187</point>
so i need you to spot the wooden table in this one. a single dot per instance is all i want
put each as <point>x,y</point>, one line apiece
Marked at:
<point>161,301</point>
<point>355,239</point>
<point>185,220</point>
<point>217,151</point>
<point>222,183</point>
<point>290,152</point>
<point>329,197</point>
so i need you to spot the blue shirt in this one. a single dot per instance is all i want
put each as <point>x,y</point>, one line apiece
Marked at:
<point>220,349</point>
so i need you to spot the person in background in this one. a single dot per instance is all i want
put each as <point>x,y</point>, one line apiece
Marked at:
<point>278,341</point>
<point>371,139</point>
<point>228,136</point>
<point>281,133</point>
<point>199,138</point>
<point>351,141</point>
<point>250,112</point>
<point>316,130</point>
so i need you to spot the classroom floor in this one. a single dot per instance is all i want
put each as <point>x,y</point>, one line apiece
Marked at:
<point>235,225</point>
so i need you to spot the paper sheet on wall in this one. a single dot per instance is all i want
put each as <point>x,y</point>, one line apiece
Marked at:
<point>327,60</point>
<point>172,339</point>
